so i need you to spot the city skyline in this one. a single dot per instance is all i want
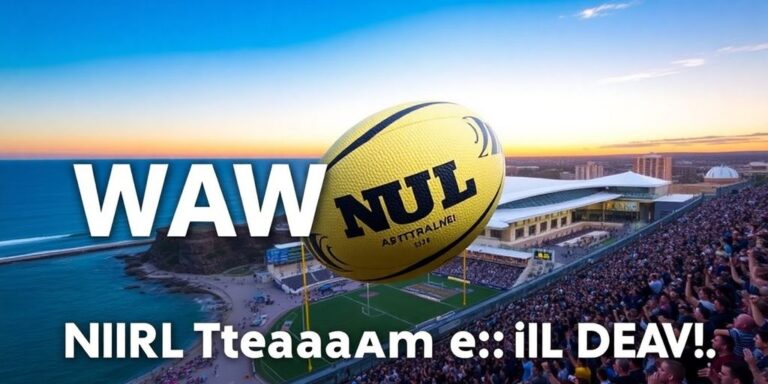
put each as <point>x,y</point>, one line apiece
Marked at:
<point>552,78</point>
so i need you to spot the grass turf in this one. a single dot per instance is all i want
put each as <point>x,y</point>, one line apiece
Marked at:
<point>392,309</point>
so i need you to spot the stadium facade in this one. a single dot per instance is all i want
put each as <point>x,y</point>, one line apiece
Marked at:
<point>532,210</point>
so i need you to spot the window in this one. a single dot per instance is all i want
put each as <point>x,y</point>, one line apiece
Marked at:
<point>543,226</point>
<point>563,221</point>
<point>553,223</point>
<point>519,233</point>
<point>531,230</point>
<point>496,233</point>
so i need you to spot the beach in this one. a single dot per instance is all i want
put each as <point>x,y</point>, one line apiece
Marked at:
<point>237,309</point>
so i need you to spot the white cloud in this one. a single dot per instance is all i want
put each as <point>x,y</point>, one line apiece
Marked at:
<point>659,72</point>
<point>690,63</point>
<point>638,76</point>
<point>744,48</point>
<point>601,10</point>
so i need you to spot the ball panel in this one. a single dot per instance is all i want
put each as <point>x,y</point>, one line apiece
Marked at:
<point>390,118</point>
<point>442,223</point>
<point>433,261</point>
<point>384,216</point>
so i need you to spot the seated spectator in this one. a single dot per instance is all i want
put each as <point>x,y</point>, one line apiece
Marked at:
<point>704,295</point>
<point>623,373</point>
<point>723,346</point>
<point>736,372</point>
<point>617,287</point>
<point>538,376</point>
<point>741,333</point>
<point>721,316</point>
<point>669,372</point>
<point>655,283</point>
<point>761,349</point>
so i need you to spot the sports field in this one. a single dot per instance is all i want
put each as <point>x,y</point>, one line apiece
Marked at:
<point>392,308</point>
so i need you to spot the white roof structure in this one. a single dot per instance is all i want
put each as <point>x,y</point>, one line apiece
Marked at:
<point>288,245</point>
<point>503,217</point>
<point>499,251</point>
<point>721,172</point>
<point>674,198</point>
<point>516,188</point>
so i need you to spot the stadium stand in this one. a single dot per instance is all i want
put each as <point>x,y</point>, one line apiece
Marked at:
<point>709,265</point>
<point>482,272</point>
<point>295,282</point>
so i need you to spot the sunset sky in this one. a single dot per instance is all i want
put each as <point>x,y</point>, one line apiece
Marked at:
<point>273,79</point>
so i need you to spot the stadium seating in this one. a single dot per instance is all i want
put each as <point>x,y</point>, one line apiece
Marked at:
<point>708,266</point>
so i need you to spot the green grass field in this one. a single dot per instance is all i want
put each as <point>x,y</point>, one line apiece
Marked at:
<point>392,309</point>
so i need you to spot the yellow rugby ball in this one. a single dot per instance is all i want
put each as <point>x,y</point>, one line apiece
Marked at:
<point>405,190</point>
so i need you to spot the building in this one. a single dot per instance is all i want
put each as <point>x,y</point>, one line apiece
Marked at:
<point>721,174</point>
<point>718,180</point>
<point>757,171</point>
<point>534,210</point>
<point>514,170</point>
<point>685,173</point>
<point>758,167</point>
<point>588,171</point>
<point>714,180</point>
<point>667,204</point>
<point>654,165</point>
<point>284,266</point>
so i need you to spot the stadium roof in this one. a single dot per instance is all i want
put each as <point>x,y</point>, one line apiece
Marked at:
<point>499,251</point>
<point>516,188</point>
<point>674,198</point>
<point>288,245</point>
<point>721,172</point>
<point>502,217</point>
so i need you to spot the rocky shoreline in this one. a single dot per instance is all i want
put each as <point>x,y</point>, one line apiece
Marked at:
<point>139,270</point>
<point>203,252</point>
<point>192,264</point>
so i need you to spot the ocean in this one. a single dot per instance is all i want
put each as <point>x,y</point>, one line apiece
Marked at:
<point>41,210</point>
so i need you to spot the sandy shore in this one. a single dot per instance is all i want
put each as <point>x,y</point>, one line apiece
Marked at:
<point>236,292</point>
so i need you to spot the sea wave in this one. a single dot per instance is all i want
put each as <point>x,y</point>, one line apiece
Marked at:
<point>6,243</point>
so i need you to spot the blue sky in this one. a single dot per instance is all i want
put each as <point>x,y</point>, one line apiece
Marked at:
<point>204,78</point>
<point>53,32</point>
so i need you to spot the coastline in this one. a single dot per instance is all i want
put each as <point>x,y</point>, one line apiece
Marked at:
<point>235,294</point>
<point>74,251</point>
<point>149,271</point>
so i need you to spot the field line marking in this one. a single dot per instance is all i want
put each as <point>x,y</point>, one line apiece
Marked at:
<point>408,293</point>
<point>380,310</point>
<point>299,340</point>
<point>266,365</point>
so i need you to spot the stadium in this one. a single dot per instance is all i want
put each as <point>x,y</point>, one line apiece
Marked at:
<point>563,216</point>
<point>560,251</point>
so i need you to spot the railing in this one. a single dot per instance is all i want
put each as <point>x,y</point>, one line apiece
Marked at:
<point>637,195</point>
<point>440,329</point>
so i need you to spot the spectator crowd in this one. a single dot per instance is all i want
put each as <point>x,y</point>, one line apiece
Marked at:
<point>709,266</point>
<point>185,373</point>
<point>487,273</point>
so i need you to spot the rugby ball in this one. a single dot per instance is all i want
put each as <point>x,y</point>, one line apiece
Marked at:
<point>406,190</point>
